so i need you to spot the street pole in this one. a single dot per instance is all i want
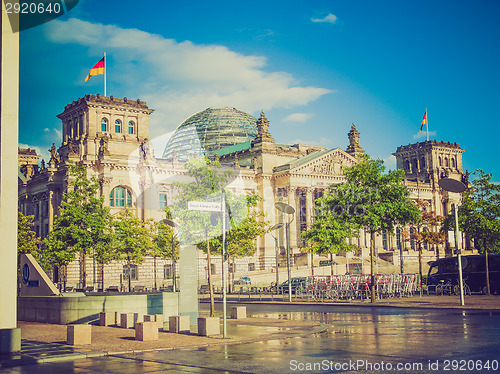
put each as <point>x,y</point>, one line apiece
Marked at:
<point>288,262</point>
<point>459,257</point>
<point>224,296</point>
<point>456,186</point>
<point>174,288</point>
<point>290,210</point>
<point>274,228</point>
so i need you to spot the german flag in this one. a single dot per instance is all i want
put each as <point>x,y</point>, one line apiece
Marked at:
<point>424,122</point>
<point>97,69</point>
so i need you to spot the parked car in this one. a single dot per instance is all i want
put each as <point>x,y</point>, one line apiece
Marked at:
<point>445,270</point>
<point>298,282</point>
<point>244,280</point>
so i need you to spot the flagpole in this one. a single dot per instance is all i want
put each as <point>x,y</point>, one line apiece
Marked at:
<point>105,71</point>
<point>427,124</point>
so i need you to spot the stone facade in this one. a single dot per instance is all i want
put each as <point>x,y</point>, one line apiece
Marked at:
<point>110,137</point>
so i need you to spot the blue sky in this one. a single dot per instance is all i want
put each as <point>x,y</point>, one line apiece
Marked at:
<point>314,67</point>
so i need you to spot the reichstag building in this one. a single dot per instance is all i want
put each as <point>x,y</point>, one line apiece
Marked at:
<point>110,137</point>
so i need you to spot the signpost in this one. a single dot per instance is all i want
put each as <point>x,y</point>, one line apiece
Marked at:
<point>218,206</point>
<point>207,206</point>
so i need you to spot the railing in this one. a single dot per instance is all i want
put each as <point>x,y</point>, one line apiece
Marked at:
<point>330,288</point>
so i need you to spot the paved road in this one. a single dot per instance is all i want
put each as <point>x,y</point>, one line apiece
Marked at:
<point>360,339</point>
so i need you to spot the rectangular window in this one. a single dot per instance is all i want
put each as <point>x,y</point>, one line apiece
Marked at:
<point>251,266</point>
<point>167,271</point>
<point>163,201</point>
<point>384,241</point>
<point>132,270</point>
<point>120,196</point>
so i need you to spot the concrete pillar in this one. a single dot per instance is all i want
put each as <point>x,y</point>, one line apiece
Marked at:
<point>239,312</point>
<point>208,326</point>
<point>179,324</point>
<point>146,331</point>
<point>10,335</point>
<point>79,334</point>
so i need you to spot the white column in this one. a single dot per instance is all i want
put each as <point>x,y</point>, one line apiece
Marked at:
<point>10,336</point>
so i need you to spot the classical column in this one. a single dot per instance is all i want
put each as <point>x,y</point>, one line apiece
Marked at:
<point>10,335</point>
<point>292,200</point>
<point>309,207</point>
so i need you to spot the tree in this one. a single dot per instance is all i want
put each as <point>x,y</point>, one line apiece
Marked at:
<point>133,239</point>
<point>207,183</point>
<point>27,241</point>
<point>240,240</point>
<point>479,216</point>
<point>162,236</point>
<point>425,230</point>
<point>83,225</point>
<point>371,200</point>
<point>329,233</point>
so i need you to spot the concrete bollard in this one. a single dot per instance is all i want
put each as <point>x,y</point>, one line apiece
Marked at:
<point>179,324</point>
<point>239,312</point>
<point>107,318</point>
<point>146,331</point>
<point>79,334</point>
<point>208,326</point>
<point>159,321</point>
<point>127,320</point>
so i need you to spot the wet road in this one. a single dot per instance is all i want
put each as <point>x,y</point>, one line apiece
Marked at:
<point>360,339</point>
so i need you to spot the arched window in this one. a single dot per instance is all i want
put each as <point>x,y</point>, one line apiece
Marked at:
<point>120,196</point>
<point>453,162</point>
<point>118,126</point>
<point>406,165</point>
<point>131,127</point>
<point>446,162</point>
<point>422,163</point>
<point>104,125</point>
<point>415,165</point>
<point>412,241</point>
<point>440,161</point>
<point>426,246</point>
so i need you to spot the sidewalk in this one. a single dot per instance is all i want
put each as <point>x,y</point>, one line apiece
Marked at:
<point>47,342</point>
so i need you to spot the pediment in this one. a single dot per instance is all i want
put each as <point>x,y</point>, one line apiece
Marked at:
<point>329,162</point>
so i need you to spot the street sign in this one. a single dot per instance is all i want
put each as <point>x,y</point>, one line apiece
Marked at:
<point>205,205</point>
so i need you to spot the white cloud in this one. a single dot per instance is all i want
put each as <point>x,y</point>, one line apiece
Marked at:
<point>178,79</point>
<point>390,162</point>
<point>45,154</point>
<point>330,18</point>
<point>298,117</point>
<point>422,135</point>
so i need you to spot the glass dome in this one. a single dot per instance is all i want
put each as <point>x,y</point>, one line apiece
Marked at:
<point>210,130</point>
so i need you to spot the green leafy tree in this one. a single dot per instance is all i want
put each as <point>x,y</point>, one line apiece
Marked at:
<point>83,225</point>
<point>329,233</point>
<point>132,241</point>
<point>207,182</point>
<point>240,240</point>
<point>479,216</point>
<point>162,236</point>
<point>425,230</point>
<point>372,200</point>
<point>27,241</point>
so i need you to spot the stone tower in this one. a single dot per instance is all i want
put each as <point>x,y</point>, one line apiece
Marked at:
<point>96,125</point>
<point>354,148</point>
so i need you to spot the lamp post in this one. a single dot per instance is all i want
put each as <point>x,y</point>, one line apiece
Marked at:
<point>173,225</point>
<point>453,185</point>
<point>288,209</point>
<point>274,228</point>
